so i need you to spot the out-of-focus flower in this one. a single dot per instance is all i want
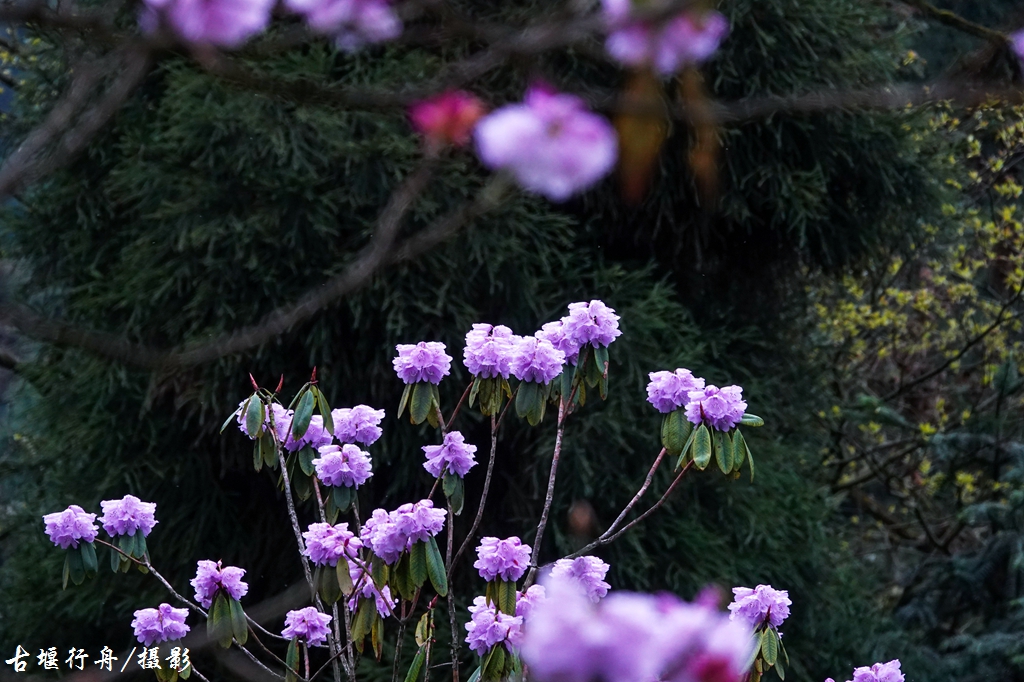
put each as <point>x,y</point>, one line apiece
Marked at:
<point>447,119</point>
<point>352,23</point>
<point>551,143</point>
<point>224,23</point>
<point>665,46</point>
<point>587,571</point>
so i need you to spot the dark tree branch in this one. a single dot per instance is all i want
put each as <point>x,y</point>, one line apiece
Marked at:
<point>953,20</point>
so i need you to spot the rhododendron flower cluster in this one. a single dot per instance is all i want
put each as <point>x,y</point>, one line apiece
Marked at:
<point>669,391</point>
<point>128,515</point>
<point>489,626</point>
<point>71,526</point>
<point>447,119</point>
<point>325,544</point>
<point>425,361</point>
<point>454,455</point>
<point>352,23</point>
<point>721,408</point>
<point>551,143</point>
<point>879,672</point>
<point>591,323</point>
<point>489,350</point>
<point>1017,42</point>
<point>587,571</point>
<point>760,604</point>
<point>507,559</point>
<point>364,587</point>
<point>359,424</point>
<point>344,465</point>
<point>161,624</point>
<point>211,577</point>
<point>629,637</point>
<point>307,624</point>
<point>555,334</point>
<point>666,45</point>
<point>535,360</point>
<point>388,534</point>
<point>224,23</point>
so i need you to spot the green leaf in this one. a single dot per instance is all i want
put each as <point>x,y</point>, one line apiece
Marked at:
<point>780,670</point>
<point>601,361</point>
<point>379,572</point>
<point>306,456</point>
<point>325,410</point>
<point>115,560</point>
<point>303,413</point>
<point>418,563</point>
<point>531,401</point>
<point>475,677</point>
<point>742,443</point>
<point>494,664</point>
<point>75,565</point>
<point>291,660</point>
<point>377,636</point>
<point>417,665</point>
<point>675,432</point>
<point>257,456</point>
<point>231,418</point>
<point>723,452</point>
<point>366,611</point>
<point>343,575</point>
<point>89,561</point>
<point>254,416</point>
<point>769,646</point>
<point>239,626</point>
<point>421,403</point>
<point>405,400</point>
<point>327,586</point>
<point>751,420</point>
<point>702,447</point>
<point>507,596</point>
<point>455,491</point>
<point>218,620</point>
<point>473,390</point>
<point>423,629</point>
<point>401,578</point>
<point>343,496</point>
<point>738,453</point>
<point>268,450</point>
<point>140,545</point>
<point>435,568</point>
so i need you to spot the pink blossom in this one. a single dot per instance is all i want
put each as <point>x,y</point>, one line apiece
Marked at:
<point>446,119</point>
<point>66,528</point>
<point>720,408</point>
<point>550,143</point>
<point>1017,42</point>
<point>666,46</point>
<point>507,559</point>
<point>224,23</point>
<point>352,23</point>
<point>587,571</point>
<point>759,604</point>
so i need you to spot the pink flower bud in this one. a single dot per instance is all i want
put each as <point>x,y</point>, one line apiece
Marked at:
<point>447,119</point>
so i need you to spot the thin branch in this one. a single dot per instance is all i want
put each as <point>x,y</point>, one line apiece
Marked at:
<point>549,496</point>
<point>639,493</point>
<point>483,497</point>
<point>953,20</point>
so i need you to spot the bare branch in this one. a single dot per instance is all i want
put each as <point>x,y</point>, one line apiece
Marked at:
<point>953,20</point>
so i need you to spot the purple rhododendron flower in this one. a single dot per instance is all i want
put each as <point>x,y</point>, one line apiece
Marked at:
<point>455,454</point>
<point>550,143</point>
<point>127,515</point>
<point>162,624</point>
<point>666,46</point>
<point>879,672</point>
<point>224,23</point>
<point>307,624</point>
<point>488,351</point>
<point>668,391</point>
<point>388,534</point>
<point>593,323</point>
<point>526,602</point>
<point>352,23</point>
<point>554,333</point>
<point>1017,41</point>
<point>721,408</point>
<point>535,360</point>
<point>325,544</point>
<point>587,571</point>
<point>359,424</point>
<point>424,361</point>
<point>211,577</point>
<point>365,588</point>
<point>316,436</point>
<point>489,626</point>
<point>628,636</point>
<point>507,559</point>
<point>764,602</point>
<point>68,527</point>
<point>344,465</point>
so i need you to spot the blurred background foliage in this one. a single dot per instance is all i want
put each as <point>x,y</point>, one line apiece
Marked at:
<point>859,273</point>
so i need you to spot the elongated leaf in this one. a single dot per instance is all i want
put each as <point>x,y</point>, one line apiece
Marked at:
<point>325,411</point>
<point>115,560</point>
<point>257,456</point>
<point>377,636</point>
<point>723,452</point>
<point>675,431</point>
<point>405,400</point>
<point>75,565</point>
<point>742,443</point>
<point>702,447</point>
<point>475,677</point>
<point>291,660</point>
<point>306,456</point>
<point>769,646</point>
<point>343,574</point>
<point>494,664</point>
<point>268,450</point>
<point>379,572</point>
<point>418,563</point>
<point>232,417</point>
<point>326,580</point>
<point>423,629</point>
<point>507,597</point>
<point>89,561</point>
<point>303,413</point>
<point>420,403</point>
<point>751,420</point>
<point>780,670</point>
<point>254,415</point>
<point>435,568</point>
<point>455,491</point>
<point>601,360</point>
<point>366,611</point>
<point>239,626</point>
<point>218,621</point>
<point>417,665</point>
<point>140,545</point>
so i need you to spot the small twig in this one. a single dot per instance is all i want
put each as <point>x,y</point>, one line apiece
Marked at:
<point>156,574</point>
<point>458,406</point>
<point>549,496</point>
<point>483,498</point>
<point>639,494</point>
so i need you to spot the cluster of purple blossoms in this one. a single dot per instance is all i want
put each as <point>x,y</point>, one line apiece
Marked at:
<point>587,571</point>
<point>162,624</point>
<point>631,637</point>
<point>722,408</point>
<point>668,391</point>
<point>879,672</point>
<point>454,456</point>
<point>1017,42</point>
<point>535,360</point>
<point>365,588</point>
<point>591,323</point>
<point>344,465</point>
<point>224,23</point>
<point>325,544</point>
<point>489,350</point>
<point>281,419</point>
<point>551,143</point>
<point>763,603</point>
<point>352,23</point>
<point>307,624</point>
<point>489,626</point>
<point>665,46</point>
<point>211,577</point>
<point>70,526</point>
<point>507,559</point>
<point>127,515</point>
<point>388,534</point>
<point>554,333</point>
<point>359,424</point>
<point>424,361</point>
